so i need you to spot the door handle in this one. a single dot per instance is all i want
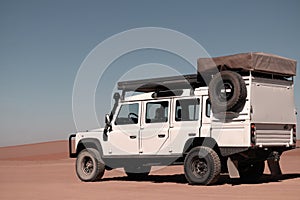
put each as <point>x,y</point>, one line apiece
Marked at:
<point>161,135</point>
<point>132,136</point>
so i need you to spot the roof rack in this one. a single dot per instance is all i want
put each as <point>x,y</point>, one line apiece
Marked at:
<point>161,84</point>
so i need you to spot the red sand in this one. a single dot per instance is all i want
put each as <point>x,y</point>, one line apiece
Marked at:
<point>39,151</point>
<point>43,171</point>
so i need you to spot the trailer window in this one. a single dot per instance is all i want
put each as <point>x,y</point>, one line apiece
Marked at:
<point>187,110</point>
<point>128,114</point>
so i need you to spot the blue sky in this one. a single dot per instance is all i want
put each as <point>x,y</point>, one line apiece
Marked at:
<point>43,43</point>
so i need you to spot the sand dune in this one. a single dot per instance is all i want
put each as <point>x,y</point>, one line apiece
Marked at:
<point>39,151</point>
<point>43,171</point>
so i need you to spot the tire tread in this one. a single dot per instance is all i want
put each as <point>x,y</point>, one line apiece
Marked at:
<point>214,176</point>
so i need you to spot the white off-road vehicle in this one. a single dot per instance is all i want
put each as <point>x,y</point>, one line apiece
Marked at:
<point>231,122</point>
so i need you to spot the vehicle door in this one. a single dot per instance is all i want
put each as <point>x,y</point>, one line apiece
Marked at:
<point>185,123</point>
<point>155,126</point>
<point>123,138</point>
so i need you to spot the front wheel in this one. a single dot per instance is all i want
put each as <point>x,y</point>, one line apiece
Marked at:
<point>89,165</point>
<point>202,166</point>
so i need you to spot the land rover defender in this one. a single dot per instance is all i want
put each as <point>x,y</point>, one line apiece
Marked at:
<point>229,121</point>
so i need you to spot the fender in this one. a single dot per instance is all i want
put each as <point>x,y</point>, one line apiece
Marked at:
<point>89,143</point>
<point>200,141</point>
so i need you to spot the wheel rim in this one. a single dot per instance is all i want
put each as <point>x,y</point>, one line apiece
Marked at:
<point>199,167</point>
<point>225,91</point>
<point>87,165</point>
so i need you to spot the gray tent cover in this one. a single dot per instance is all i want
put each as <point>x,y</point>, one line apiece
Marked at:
<point>253,61</point>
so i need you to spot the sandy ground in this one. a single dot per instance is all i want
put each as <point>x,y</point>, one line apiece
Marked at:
<point>43,171</point>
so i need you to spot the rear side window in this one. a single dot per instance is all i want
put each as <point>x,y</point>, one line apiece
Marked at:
<point>187,110</point>
<point>157,112</point>
<point>128,114</point>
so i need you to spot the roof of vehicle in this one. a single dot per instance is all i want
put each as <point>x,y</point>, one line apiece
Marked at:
<point>253,61</point>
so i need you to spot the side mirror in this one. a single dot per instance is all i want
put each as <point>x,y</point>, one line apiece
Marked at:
<point>107,119</point>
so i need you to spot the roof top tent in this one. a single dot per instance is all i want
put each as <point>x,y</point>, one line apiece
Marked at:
<point>258,64</point>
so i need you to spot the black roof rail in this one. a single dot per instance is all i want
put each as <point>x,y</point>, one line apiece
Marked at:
<point>190,81</point>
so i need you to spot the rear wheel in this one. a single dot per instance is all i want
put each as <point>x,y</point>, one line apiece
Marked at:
<point>202,166</point>
<point>89,165</point>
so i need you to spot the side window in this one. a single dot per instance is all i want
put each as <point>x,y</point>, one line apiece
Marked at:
<point>128,114</point>
<point>187,110</point>
<point>157,112</point>
<point>207,108</point>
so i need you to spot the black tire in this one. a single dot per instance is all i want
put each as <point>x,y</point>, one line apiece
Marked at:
<point>251,171</point>
<point>202,166</point>
<point>89,165</point>
<point>227,92</point>
<point>139,172</point>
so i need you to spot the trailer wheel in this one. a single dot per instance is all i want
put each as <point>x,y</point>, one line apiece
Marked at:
<point>227,92</point>
<point>202,166</point>
<point>89,165</point>
<point>251,171</point>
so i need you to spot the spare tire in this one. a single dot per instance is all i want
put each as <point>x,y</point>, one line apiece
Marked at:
<point>227,92</point>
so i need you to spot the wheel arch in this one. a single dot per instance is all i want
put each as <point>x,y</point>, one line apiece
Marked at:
<point>201,141</point>
<point>89,143</point>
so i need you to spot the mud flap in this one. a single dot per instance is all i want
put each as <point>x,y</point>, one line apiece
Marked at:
<point>233,168</point>
<point>274,167</point>
<point>273,164</point>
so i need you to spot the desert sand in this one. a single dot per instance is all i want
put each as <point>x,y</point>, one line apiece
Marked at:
<point>44,171</point>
